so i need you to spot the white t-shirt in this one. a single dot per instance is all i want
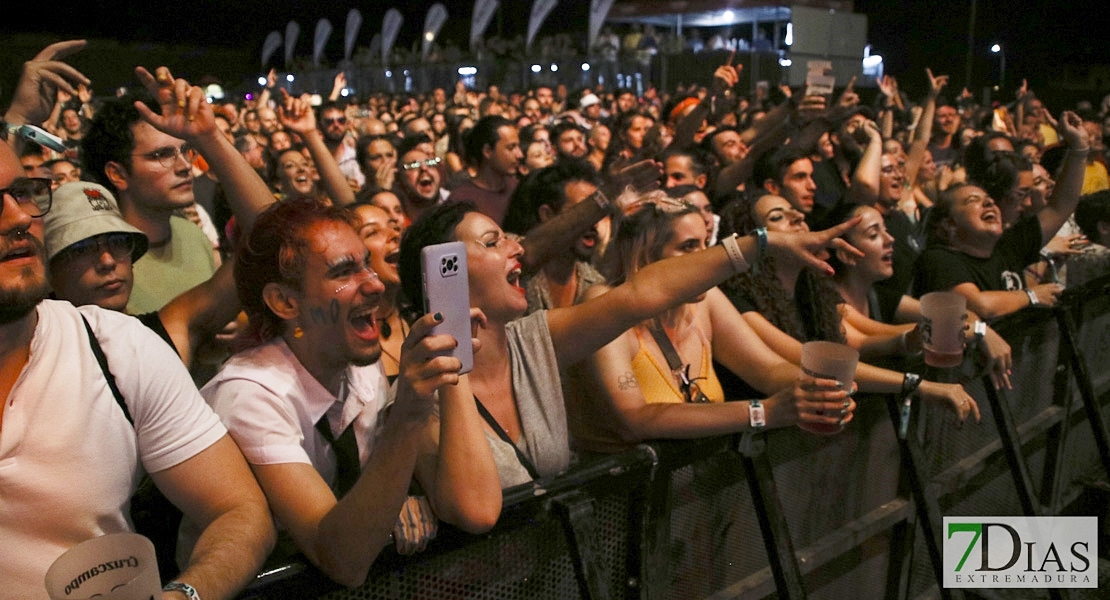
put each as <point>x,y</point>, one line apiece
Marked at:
<point>69,459</point>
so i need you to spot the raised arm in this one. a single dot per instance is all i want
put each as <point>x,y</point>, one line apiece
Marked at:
<point>724,78</point>
<point>866,177</point>
<point>203,311</point>
<point>924,130</point>
<point>1065,197</point>
<point>578,331</point>
<point>298,116</point>
<point>456,466</point>
<point>42,76</point>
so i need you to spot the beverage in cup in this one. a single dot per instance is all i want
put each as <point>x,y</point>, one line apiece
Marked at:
<point>943,316</point>
<point>828,360</point>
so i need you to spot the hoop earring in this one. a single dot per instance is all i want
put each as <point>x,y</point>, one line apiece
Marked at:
<point>298,333</point>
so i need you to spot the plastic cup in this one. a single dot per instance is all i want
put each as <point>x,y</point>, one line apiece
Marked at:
<point>117,566</point>
<point>828,360</point>
<point>943,315</point>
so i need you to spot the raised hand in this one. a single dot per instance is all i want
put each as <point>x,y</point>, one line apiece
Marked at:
<point>936,82</point>
<point>43,76</point>
<point>849,97</point>
<point>1072,131</point>
<point>296,114</point>
<point>811,246</point>
<point>888,86</point>
<point>185,111</point>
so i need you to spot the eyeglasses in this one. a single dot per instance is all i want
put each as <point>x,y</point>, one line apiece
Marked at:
<point>32,194</point>
<point>167,156</point>
<point>330,121</point>
<point>119,245</point>
<point>431,163</point>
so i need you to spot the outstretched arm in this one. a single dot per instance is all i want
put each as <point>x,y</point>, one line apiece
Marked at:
<point>42,77</point>
<point>578,331</point>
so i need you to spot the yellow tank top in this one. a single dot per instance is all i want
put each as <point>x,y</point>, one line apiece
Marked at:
<point>659,385</point>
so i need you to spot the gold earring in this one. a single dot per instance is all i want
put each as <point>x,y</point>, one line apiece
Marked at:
<point>298,332</point>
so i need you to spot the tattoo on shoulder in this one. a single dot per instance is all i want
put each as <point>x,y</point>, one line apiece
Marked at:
<point>626,381</point>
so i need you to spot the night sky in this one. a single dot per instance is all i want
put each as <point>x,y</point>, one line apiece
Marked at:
<point>1043,38</point>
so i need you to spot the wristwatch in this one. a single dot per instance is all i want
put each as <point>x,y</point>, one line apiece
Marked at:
<point>177,586</point>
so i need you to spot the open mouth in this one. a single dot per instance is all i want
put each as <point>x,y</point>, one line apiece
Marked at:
<point>514,278</point>
<point>364,324</point>
<point>393,257</point>
<point>888,257</point>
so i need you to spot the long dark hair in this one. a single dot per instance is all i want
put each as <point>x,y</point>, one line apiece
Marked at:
<point>812,313</point>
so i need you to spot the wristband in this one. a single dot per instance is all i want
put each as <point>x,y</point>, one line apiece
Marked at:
<point>1033,301</point>
<point>177,586</point>
<point>735,256</point>
<point>601,200</point>
<point>910,382</point>
<point>757,417</point>
<point>980,330</point>
<point>760,247</point>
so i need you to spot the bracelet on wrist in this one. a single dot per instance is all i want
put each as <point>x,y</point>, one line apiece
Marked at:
<point>757,415</point>
<point>735,256</point>
<point>601,200</point>
<point>177,586</point>
<point>760,247</point>
<point>980,330</point>
<point>1033,301</point>
<point>910,383</point>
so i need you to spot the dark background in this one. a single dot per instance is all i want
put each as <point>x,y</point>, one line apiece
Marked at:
<point>1058,46</point>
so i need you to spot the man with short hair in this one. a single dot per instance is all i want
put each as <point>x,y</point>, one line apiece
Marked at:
<point>333,125</point>
<point>493,145</point>
<point>788,173</point>
<point>57,495</point>
<point>945,144</point>
<point>419,182</point>
<point>570,141</point>
<point>684,167</point>
<point>310,407</point>
<point>564,278</point>
<point>150,173</point>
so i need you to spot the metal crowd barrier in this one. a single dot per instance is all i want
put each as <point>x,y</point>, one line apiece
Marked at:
<point>787,513</point>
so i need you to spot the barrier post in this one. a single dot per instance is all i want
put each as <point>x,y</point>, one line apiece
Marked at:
<point>575,510</point>
<point>772,522</point>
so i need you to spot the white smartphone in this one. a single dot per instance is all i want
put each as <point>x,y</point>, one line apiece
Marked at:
<point>41,137</point>
<point>447,291</point>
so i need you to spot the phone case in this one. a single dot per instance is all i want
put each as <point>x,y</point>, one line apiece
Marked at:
<point>447,291</point>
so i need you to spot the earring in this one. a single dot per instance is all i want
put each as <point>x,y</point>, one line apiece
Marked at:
<point>298,332</point>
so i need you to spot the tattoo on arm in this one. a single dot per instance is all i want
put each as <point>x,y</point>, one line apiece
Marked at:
<point>626,381</point>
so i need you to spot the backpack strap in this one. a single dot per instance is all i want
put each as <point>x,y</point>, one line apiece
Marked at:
<point>102,360</point>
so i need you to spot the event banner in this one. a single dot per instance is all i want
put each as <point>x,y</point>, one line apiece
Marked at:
<point>391,25</point>
<point>272,43</point>
<point>483,13</point>
<point>323,32</point>
<point>540,8</point>
<point>350,32</point>
<point>599,9</point>
<point>292,30</point>
<point>437,16</point>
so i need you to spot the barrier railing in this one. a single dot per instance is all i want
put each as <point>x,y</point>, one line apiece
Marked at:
<point>856,515</point>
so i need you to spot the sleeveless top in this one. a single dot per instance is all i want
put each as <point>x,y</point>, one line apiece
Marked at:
<point>659,385</point>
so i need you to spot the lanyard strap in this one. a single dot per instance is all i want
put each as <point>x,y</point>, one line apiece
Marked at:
<point>681,371</point>
<point>500,431</point>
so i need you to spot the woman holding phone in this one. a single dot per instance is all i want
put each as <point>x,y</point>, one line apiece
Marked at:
<point>516,376</point>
